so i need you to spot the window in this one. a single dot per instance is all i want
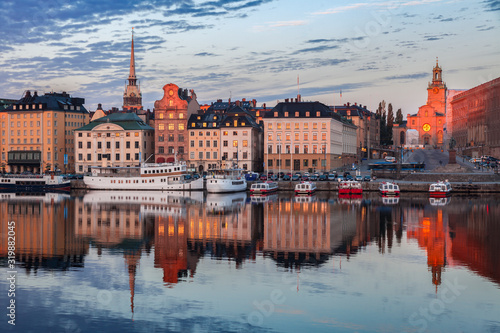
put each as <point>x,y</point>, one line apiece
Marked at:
<point>269,149</point>
<point>235,143</point>
<point>307,114</point>
<point>225,143</point>
<point>180,127</point>
<point>224,133</point>
<point>89,145</point>
<point>127,144</point>
<point>278,126</point>
<point>181,115</point>
<point>137,156</point>
<point>306,126</point>
<point>215,155</point>
<point>323,125</point>
<point>200,143</point>
<point>245,143</point>
<point>117,157</point>
<point>80,157</point>
<point>224,156</point>
<point>235,133</point>
<point>297,136</point>
<point>171,150</point>
<point>191,133</point>
<point>127,157</point>
<point>191,155</point>
<point>306,136</point>
<point>287,136</point>
<point>108,145</point>
<point>315,136</point>
<point>89,157</point>
<point>306,163</point>
<point>161,127</point>
<point>80,145</point>
<point>215,144</point>
<point>235,155</point>
<point>270,163</point>
<point>287,149</point>
<point>296,113</point>
<point>315,149</point>
<point>99,145</point>
<point>306,149</point>
<point>207,144</point>
<point>296,149</point>
<point>161,115</point>
<point>117,145</point>
<point>287,126</point>
<point>181,138</point>
<point>314,163</point>
<point>180,149</point>
<point>207,155</point>
<point>315,125</point>
<point>200,155</point>
<point>191,143</point>
<point>270,137</point>
<point>171,138</point>
<point>137,144</point>
<point>171,127</point>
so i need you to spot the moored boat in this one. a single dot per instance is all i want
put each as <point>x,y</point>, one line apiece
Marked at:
<point>350,187</point>
<point>149,176</point>
<point>440,189</point>
<point>226,181</point>
<point>388,188</point>
<point>305,188</point>
<point>264,187</point>
<point>34,183</point>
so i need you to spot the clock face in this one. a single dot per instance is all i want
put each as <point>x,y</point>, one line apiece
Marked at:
<point>435,90</point>
<point>426,127</point>
<point>170,92</point>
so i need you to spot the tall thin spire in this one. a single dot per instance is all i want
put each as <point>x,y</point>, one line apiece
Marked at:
<point>132,60</point>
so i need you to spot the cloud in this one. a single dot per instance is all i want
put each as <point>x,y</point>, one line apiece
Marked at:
<point>492,5</point>
<point>205,54</point>
<point>316,49</point>
<point>383,5</point>
<point>278,24</point>
<point>415,76</point>
<point>484,28</point>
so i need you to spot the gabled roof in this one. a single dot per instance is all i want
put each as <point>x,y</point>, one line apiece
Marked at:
<point>128,121</point>
<point>49,101</point>
<point>302,108</point>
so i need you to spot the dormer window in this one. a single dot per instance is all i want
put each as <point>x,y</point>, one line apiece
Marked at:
<point>14,107</point>
<point>40,106</point>
<point>286,114</point>
<point>296,113</point>
<point>318,114</point>
<point>20,107</point>
<point>307,114</point>
<point>275,113</point>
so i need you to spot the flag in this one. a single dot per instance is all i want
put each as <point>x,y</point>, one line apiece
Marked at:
<point>340,92</point>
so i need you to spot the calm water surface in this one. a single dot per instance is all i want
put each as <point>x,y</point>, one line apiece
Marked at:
<point>174,262</point>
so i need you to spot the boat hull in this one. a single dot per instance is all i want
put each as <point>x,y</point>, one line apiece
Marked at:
<point>141,183</point>
<point>226,185</point>
<point>66,186</point>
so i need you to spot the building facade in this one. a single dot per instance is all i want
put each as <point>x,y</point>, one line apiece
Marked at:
<point>430,119</point>
<point>171,115</point>
<point>37,132</point>
<point>476,120</point>
<point>116,140</point>
<point>307,136</point>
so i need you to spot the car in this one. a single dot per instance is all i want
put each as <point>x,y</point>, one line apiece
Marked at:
<point>307,174</point>
<point>296,177</point>
<point>196,176</point>
<point>367,178</point>
<point>273,177</point>
<point>323,177</point>
<point>346,173</point>
<point>332,176</point>
<point>305,177</point>
<point>287,177</point>
<point>263,177</point>
<point>359,178</point>
<point>313,177</point>
<point>188,177</point>
<point>349,177</point>
<point>340,178</point>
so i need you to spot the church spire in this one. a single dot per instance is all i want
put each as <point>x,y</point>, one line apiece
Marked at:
<point>131,76</point>
<point>132,97</point>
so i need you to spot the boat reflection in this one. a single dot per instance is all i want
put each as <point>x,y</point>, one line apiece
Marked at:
<point>263,198</point>
<point>390,200</point>
<point>439,201</point>
<point>350,199</point>
<point>305,198</point>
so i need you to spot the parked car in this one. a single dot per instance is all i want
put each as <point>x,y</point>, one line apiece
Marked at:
<point>274,177</point>
<point>332,176</point>
<point>349,177</point>
<point>367,178</point>
<point>359,178</point>
<point>305,177</point>
<point>263,177</point>
<point>323,177</point>
<point>287,177</point>
<point>340,178</point>
<point>196,176</point>
<point>188,177</point>
<point>313,178</point>
<point>296,177</point>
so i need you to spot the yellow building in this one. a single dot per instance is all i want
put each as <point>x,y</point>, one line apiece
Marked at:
<point>37,132</point>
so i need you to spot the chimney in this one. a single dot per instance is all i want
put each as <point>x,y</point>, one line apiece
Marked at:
<point>286,100</point>
<point>348,104</point>
<point>99,106</point>
<point>355,103</point>
<point>264,105</point>
<point>299,98</point>
<point>35,94</point>
<point>254,102</point>
<point>238,102</point>
<point>244,100</point>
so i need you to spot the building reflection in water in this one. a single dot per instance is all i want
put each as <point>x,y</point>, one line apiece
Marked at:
<point>45,235</point>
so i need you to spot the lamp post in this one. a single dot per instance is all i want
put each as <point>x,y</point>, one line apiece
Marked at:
<point>279,155</point>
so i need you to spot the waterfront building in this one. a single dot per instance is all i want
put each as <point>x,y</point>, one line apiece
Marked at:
<point>4,102</point>
<point>368,128</point>
<point>307,136</point>
<point>171,114</point>
<point>476,120</point>
<point>226,138</point>
<point>37,132</point>
<point>430,119</point>
<point>116,140</point>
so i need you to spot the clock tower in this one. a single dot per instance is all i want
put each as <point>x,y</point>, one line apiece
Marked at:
<point>436,90</point>
<point>132,97</point>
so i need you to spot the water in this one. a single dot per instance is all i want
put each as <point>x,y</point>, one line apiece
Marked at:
<point>149,261</point>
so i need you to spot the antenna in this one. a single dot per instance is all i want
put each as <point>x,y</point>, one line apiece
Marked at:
<point>298,85</point>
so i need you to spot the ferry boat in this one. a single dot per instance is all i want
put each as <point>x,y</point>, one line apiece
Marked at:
<point>34,183</point>
<point>388,188</point>
<point>264,187</point>
<point>350,187</point>
<point>305,188</point>
<point>440,189</point>
<point>226,181</point>
<point>149,176</point>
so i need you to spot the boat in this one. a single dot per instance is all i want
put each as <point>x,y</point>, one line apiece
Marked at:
<point>305,187</point>
<point>149,176</point>
<point>34,183</point>
<point>440,189</point>
<point>350,187</point>
<point>225,181</point>
<point>388,188</point>
<point>263,188</point>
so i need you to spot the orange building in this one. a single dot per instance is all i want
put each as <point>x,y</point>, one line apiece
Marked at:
<point>431,117</point>
<point>171,116</point>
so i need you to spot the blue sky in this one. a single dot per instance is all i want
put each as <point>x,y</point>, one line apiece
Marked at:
<point>254,49</point>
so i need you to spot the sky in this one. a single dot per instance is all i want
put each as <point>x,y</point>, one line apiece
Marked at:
<point>255,49</point>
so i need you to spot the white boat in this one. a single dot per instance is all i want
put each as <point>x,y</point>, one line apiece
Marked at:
<point>264,187</point>
<point>440,189</point>
<point>149,176</point>
<point>225,181</point>
<point>350,187</point>
<point>388,188</point>
<point>305,188</point>
<point>34,183</point>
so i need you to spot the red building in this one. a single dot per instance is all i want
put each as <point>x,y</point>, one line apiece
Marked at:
<point>476,120</point>
<point>431,117</point>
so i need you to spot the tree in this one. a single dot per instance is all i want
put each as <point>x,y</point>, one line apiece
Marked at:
<point>390,123</point>
<point>399,117</point>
